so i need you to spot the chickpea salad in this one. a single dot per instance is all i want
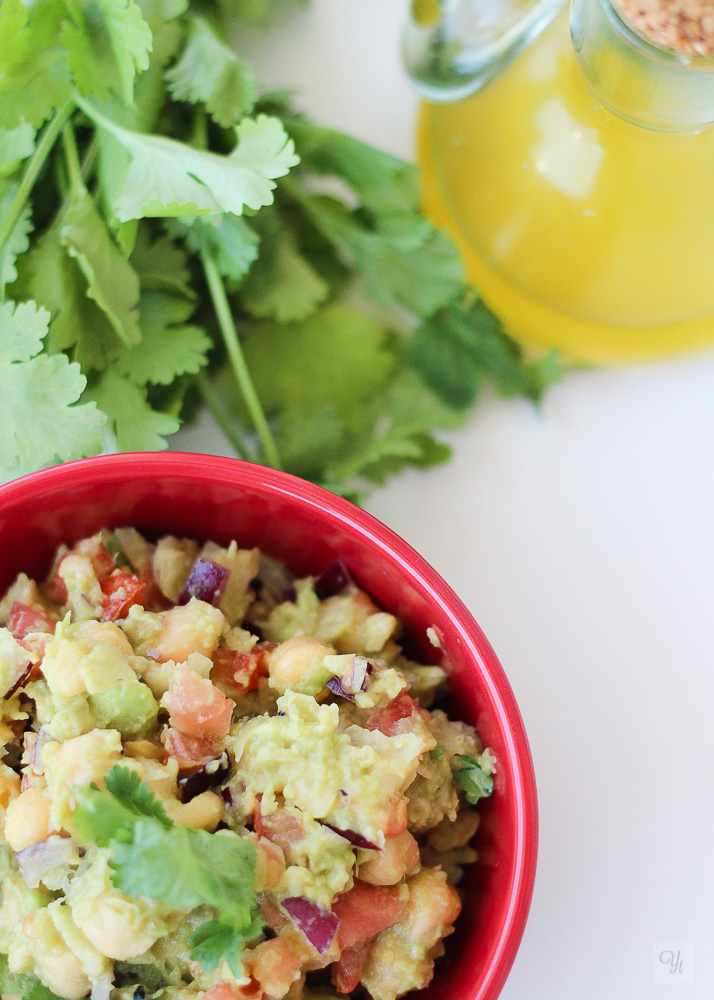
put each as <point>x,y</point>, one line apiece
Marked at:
<point>219,781</point>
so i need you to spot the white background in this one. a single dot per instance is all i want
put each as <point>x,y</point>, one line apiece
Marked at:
<point>581,537</point>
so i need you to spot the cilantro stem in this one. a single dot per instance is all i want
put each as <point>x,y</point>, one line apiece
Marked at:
<point>210,398</point>
<point>240,369</point>
<point>34,166</point>
<point>74,169</point>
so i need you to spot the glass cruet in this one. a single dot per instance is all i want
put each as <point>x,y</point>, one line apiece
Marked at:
<point>578,181</point>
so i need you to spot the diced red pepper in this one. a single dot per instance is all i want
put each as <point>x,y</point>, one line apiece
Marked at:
<point>121,591</point>
<point>366,910</point>
<point>347,971</point>
<point>238,673</point>
<point>390,719</point>
<point>24,619</point>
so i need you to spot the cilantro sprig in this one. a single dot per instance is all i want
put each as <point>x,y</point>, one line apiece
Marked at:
<point>474,775</point>
<point>176,865</point>
<point>169,224</point>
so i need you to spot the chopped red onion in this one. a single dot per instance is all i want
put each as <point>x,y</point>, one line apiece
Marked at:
<point>333,580</point>
<point>227,797</point>
<point>211,774</point>
<point>19,682</point>
<point>354,678</point>
<point>43,737</point>
<point>335,686</point>
<point>37,860</point>
<point>354,838</point>
<point>317,924</point>
<point>206,581</point>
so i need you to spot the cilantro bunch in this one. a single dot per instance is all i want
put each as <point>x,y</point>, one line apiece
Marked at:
<point>176,865</point>
<point>169,237</point>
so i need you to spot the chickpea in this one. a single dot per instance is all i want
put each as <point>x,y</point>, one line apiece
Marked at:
<point>28,819</point>
<point>61,664</point>
<point>434,905</point>
<point>102,633</point>
<point>458,833</point>
<point>202,813</point>
<point>61,971</point>
<point>291,660</point>
<point>399,857</point>
<point>113,926</point>
<point>191,628</point>
<point>9,786</point>
<point>393,818</point>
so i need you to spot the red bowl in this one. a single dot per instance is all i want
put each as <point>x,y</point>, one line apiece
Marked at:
<point>308,527</point>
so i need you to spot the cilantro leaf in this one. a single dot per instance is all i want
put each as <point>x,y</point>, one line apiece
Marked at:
<point>461,347</point>
<point>107,41</point>
<point>105,816</point>
<point>112,282</point>
<point>39,422</point>
<point>309,442</point>
<point>384,183</point>
<point>282,284</point>
<point>15,144</point>
<point>136,425</point>
<point>18,242</point>
<point>397,432</point>
<point>168,178</point>
<point>338,357</point>
<point>475,775</point>
<point>161,264</point>
<point>212,74</point>
<point>185,868</point>
<point>214,940</point>
<point>34,77</point>
<point>230,241</point>
<point>168,347</point>
<point>53,279</point>
<point>403,260</point>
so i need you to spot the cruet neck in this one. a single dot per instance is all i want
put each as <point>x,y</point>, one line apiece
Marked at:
<point>642,82</point>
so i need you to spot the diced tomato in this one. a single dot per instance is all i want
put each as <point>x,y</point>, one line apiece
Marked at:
<point>56,589</point>
<point>281,826</point>
<point>238,672</point>
<point>365,910</point>
<point>121,591</point>
<point>197,707</point>
<point>24,619</point>
<point>229,991</point>
<point>390,719</point>
<point>346,973</point>
<point>190,751</point>
<point>101,558</point>
<point>153,598</point>
<point>37,643</point>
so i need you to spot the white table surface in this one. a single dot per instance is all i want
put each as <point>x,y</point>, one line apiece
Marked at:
<point>581,537</point>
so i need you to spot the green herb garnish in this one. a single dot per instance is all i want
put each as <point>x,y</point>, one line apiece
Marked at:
<point>181,867</point>
<point>163,242</point>
<point>475,775</point>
